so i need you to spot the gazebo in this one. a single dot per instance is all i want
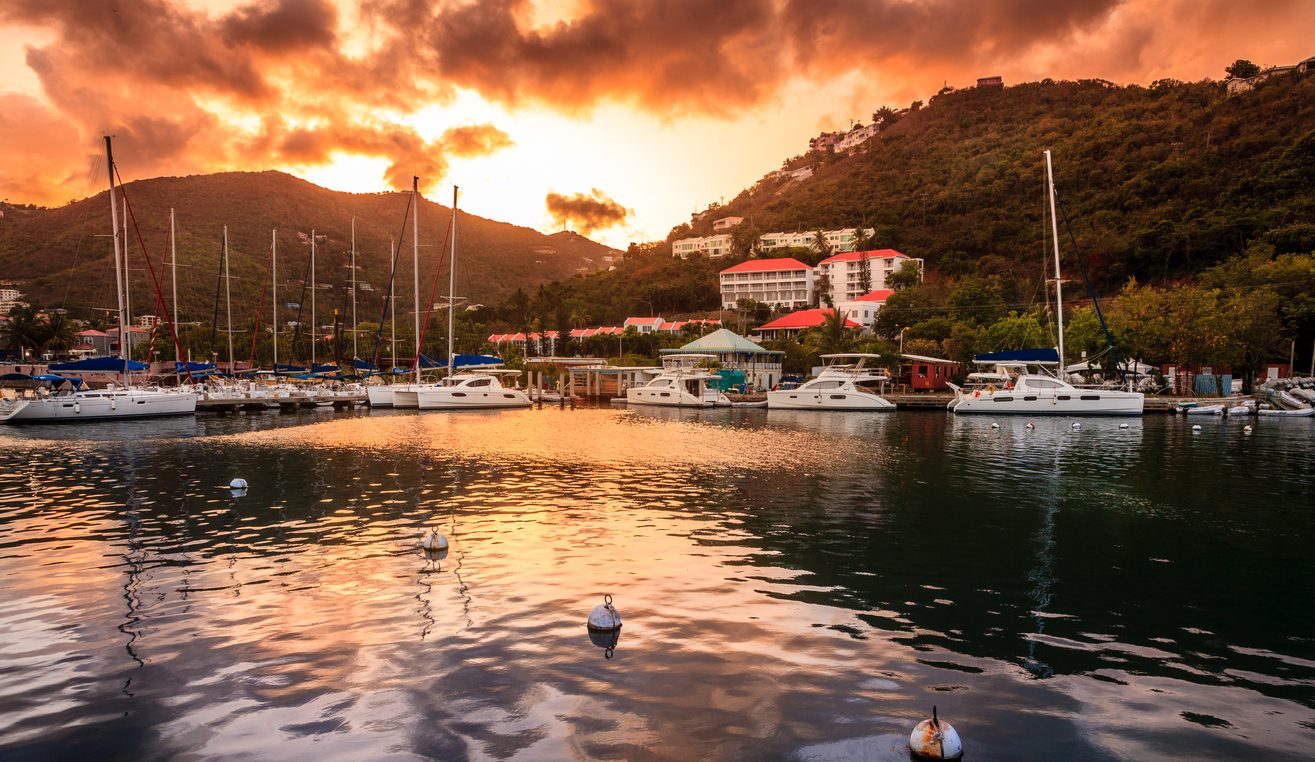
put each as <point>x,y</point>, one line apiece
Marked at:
<point>761,367</point>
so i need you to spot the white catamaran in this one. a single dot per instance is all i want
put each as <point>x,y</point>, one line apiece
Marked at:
<point>1029,393</point>
<point>845,383</point>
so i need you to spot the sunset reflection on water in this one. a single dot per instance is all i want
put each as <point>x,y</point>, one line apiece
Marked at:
<point>792,585</point>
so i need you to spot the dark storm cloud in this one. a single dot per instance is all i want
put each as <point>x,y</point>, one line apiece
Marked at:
<point>586,213</point>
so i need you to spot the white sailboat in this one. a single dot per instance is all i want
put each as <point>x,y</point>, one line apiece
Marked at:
<point>845,383</point>
<point>49,401</point>
<point>1029,393</point>
<point>403,395</point>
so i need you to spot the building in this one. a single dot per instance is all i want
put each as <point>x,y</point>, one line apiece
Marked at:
<point>147,321</point>
<point>803,173</point>
<point>99,341</point>
<point>836,240</point>
<point>856,137</point>
<point>927,374</point>
<point>825,141</point>
<point>863,309</point>
<point>778,282</point>
<point>726,223</point>
<point>844,272</point>
<point>761,367</point>
<point>990,82</point>
<point>643,324</point>
<point>796,322</point>
<point>1243,84</point>
<point>713,245</point>
<point>9,299</point>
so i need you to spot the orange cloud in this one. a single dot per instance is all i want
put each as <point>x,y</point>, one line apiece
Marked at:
<point>587,213</point>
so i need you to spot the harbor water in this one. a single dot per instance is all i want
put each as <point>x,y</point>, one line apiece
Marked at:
<point>793,585</point>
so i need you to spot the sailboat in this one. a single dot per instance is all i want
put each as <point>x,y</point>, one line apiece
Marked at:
<point>1027,393</point>
<point>52,398</point>
<point>477,388</point>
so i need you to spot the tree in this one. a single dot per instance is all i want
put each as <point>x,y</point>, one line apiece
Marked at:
<point>909,274</point>
<point>1242,69</point>
<point>822,291</point>
<point>744,239</point>
<point>57,332</point>
<point>864,273</point>
<point>821,244</point>
<point>24,329</point>
<point>831,337</point>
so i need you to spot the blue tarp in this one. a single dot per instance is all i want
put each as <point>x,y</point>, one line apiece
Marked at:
<point>323,368</point>
<point>109,364</point>
<point>462,361</point>
<point>289,369</point>
<point>57,380</point>
<point>1048,354</point>
<point>193,367</point>
<point>360,364</point>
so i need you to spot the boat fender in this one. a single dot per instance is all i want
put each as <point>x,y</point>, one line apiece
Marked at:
<point>114,404</point>
<point>935,739</point>
<point>432,540</point>
<point>604,617</point>
<point>977,393</point>
<point>77,407</point>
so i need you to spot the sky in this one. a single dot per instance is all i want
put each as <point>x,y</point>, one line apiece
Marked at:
<point>613,118</point>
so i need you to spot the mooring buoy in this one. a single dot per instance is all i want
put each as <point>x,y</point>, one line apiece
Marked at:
<point>1123,425</point>
<point>238,484</point>
<point>433,541</point>
<point>1196,427</point>
<point>995,425</point>
<point>1247,429</point>
<point>1077,425</point>
<point>1031,425</point>
<point>604,617</point>
<point>935,739</point>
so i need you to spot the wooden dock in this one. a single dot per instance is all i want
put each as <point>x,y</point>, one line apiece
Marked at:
<point>285,404</point>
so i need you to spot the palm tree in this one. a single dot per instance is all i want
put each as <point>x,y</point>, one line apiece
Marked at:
<point>832,336</point>
<point>57,332</point>
<point>24,331</point>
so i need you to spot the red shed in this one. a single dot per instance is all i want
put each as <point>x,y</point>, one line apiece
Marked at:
<point>929,374</point>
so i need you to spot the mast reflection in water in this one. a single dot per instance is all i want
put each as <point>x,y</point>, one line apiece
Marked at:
<point>794,585</point>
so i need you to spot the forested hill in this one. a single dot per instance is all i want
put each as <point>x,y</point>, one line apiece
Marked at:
<point>1159,182</point>
<point>63,258</point>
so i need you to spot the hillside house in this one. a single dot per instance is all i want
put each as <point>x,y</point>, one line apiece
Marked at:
<point>797,322</point>
<point>779,282</point>
<point>836,240</point>
<point>713,246</point>
<point>863,309</point>
<point>845,271</point>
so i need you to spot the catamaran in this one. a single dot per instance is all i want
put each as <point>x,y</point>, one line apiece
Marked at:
<point>683,382</point>
<point>1033,393</point>
<point>845,383</point>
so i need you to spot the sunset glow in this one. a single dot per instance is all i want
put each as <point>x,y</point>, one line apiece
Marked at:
<point>658,107</point>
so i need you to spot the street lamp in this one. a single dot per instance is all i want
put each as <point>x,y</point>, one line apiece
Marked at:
<point>901,340</point>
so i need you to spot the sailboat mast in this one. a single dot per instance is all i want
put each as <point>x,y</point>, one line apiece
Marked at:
<point>415,269</point>
<point>274,289</point>
<point>314,330</point>
<point>127,279</point>
<point>228,304</point>
<point>392,309</point>
<point>1059,289</point>
<point>354,353</point>
<point>173,277</point>
<point>452,289</point>
<point>118,274</point>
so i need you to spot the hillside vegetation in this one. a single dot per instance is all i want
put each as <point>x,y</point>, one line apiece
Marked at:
<point>63,256</point>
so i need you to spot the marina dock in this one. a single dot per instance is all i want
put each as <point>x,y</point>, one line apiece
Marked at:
<point>289,402</point>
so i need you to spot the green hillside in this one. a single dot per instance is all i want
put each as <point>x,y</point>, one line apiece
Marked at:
<point>63,258</point>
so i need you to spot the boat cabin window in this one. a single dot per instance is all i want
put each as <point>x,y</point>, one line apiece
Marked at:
<point>1043,383</point>
<point>480,382</point>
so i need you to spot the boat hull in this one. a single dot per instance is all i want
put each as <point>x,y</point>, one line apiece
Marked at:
<point>1080,402</point>
<point>666,397</point>
<point>406,398</point>
<point>830,399</point>
<point>100,406</point>
<point>441,398</point>
<point>379,396</point>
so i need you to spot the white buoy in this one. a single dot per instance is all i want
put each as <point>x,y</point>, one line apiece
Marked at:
<point>238,484</point>
<point>1123,425</point>
<point>995,425</point>
<point>1031,425</point>
<point>1247,428</point>
<point>935,739</point>
<point>433,541</point>
<point>604,617</point>
<point>1196,427</point>
<point>1077,425</point>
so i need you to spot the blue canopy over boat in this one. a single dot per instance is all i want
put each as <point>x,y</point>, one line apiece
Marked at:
<point>77,382</point>
<point>320,367</point>
<point>1043,355</point>
<point>193,367</point>
<point>107,364</point>
<point>462,361</point>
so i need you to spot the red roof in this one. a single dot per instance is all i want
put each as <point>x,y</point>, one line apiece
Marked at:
<point>854,256</point>
<point>91,332</point>
<point>763,265</point>
<point>653,321</point>
<point>803,319</point>
<point>880,295</point>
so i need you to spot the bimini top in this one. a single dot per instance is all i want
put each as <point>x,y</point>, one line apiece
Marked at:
<point>1044,356</point>
<point>108,364</point>
<point>46,377</point>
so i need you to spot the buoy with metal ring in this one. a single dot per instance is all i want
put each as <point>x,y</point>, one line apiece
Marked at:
<point>433,541</point>
<point>604,617</point>
<point>935,739</point>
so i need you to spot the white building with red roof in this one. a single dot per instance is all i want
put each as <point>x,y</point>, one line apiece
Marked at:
<point>863,310</point>
<point>643,324</point>
<point>778,282</point>
<point>845,271</point>
<point>789,325</point>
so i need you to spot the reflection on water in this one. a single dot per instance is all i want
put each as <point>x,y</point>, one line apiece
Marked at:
<point>794,584</point>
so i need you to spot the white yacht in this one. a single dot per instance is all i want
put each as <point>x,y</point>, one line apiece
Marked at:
<point>44,404</point>
<point>681,383</point>
<point>1032,393</point>
<point>847,382</point>
<point>476,389</point>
